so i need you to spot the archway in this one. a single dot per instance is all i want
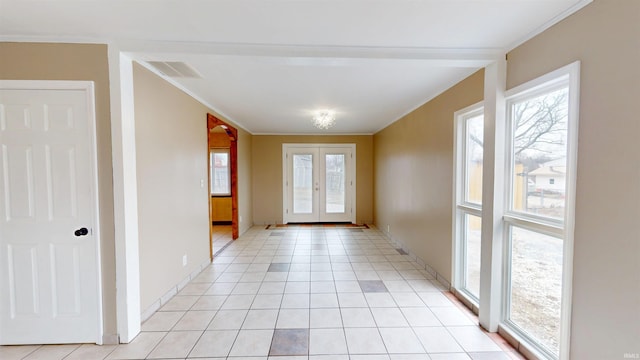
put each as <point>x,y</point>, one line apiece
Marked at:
<point>232,133</point>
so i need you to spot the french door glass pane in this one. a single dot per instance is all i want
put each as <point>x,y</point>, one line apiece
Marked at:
<point>473,159</point>
<point>539,139</point>
<point>302,183</point>
<point>472,227</point>
<point>536,285</point>
<point>335,183</point>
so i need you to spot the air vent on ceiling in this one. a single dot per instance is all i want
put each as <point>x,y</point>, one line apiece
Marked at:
<point>175,69</point>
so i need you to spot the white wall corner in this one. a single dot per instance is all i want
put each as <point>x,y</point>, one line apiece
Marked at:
<point>124,195</point>
<point>493,195</point>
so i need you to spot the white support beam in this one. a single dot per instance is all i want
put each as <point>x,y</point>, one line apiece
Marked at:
<point>493,195</point>
<point>168,50</point>
<point>125,195</point>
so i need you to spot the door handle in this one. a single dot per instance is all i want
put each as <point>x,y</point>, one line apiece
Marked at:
<point>81,232</point>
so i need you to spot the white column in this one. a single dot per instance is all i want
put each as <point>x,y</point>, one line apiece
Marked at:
<point>125,195</point>
<point>493,195</point>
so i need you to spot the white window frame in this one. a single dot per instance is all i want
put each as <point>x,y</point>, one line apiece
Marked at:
<point>461,206</point>
<point>565,76</point>
<point>211,156</point>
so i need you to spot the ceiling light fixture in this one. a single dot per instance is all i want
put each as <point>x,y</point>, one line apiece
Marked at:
<point>324,119</point>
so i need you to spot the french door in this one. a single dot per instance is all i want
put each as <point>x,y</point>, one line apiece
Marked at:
<point>319,183</point>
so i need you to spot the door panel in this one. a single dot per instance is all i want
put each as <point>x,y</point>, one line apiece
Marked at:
<point>23,280</point>
<point>318,183</point>
<point>335,203</point>
<point>303,183</point>
<point>303,180</point>
<point>49,277</point>
<point>335,178</point>
<point>65,278</point>
<point>18,181</point>
<point>61,182</point>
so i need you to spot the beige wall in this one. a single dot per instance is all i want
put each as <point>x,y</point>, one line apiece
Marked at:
<point>413,160</point>
<point>172,155</point>
<point>36,61</point>
<point>605,37</point>
<point>267,174</point>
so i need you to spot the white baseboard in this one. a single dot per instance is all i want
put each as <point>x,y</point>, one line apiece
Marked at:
<point>413,256</point>
<point>110,339</point>
<point>173,291</point>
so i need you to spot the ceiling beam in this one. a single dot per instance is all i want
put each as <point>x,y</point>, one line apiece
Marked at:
<point>439,56</point>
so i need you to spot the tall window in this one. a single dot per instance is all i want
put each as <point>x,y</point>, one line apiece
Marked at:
<point>468,207</point>
<point>220,173</point>
<point>542,127</point>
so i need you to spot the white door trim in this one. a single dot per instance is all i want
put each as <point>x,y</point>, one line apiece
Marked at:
<point>352,175</point>
<point>88,88</point>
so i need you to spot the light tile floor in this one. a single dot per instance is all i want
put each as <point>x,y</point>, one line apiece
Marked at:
<point>303,293</point>
<point>221,236</point>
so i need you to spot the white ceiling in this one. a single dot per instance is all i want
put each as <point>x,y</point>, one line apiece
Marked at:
<point>268,64</point>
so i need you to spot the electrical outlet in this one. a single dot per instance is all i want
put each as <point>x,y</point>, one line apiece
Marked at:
<point>202,183</point>
<point>184,260</point>
<point>388,229</point>
<point>240,218</point>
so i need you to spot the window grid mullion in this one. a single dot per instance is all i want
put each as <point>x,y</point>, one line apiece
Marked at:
<point>529,224</point>
<point>471,210</point>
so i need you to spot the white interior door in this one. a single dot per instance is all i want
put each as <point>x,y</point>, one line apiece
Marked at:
<point>319,183</point>
<point>49,254</point>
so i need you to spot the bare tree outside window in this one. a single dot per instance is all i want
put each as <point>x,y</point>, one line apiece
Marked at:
<point>539,143</point>
<point>539,126</point>
<point>539,162</point>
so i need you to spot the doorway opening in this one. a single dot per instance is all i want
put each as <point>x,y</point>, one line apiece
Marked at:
<point>319,183</point>
<point>223,178</point>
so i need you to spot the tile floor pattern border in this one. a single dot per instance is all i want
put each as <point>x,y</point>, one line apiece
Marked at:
<point>342,295</point>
